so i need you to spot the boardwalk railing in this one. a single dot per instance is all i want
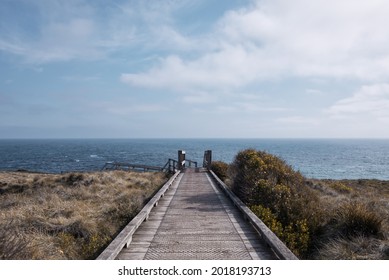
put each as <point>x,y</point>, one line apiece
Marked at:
<point>182,161</point>
<point>270,238</point>
<point>130,166</point>
<point>124,238</point>
<point>190,162</point>
<point>171,166</point>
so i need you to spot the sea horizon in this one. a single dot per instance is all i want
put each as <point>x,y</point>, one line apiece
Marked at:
<point>329,158</point>
<point>196,138</point>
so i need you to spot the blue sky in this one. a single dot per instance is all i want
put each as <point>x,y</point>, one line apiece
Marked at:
<point>194,68</point>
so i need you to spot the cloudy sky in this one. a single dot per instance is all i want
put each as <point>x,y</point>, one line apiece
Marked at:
<point>194,68</point>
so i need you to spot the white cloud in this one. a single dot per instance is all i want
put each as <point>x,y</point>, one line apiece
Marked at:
<point>199,98</point>
<point>266,39</point>
<point>62,41</point>
<point>229,68</point>
<point>51,31</point>
<point>123,110</point>
<point>279,38</point>
<point>11,47</point>
<point>298,120</point>
<point>368,101</point>
<point>69,30</point>
<point>88,30</point>
<point>258,107</point>
<point>313,91</point>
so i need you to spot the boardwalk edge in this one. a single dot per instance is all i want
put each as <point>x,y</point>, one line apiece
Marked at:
<point>123,239</point>
<point>270,238</point>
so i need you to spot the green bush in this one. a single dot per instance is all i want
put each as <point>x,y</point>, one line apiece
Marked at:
<point>306,218</point>
<point>278,196</point>
<point>340,187</point>
<point>270,220</point>
<point>295,235</point>
<point>221,169</point>
<point>253,168</point>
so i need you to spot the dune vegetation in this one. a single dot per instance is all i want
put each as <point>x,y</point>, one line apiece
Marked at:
<point>76,215</point>
<point>316,219</point>
<point>68,216</point>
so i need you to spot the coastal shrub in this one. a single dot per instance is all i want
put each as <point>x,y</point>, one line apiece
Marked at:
<point>316,219</point>
<point>67,245</point>
<point>340,187</point>
<point>356,219</point>
<point>278,195</point>
<point>94,245</point>
<point>252,168</point>
<point>295,235</point>
<point>87,247</point>
<point>221,169</point>
<point>270,220</point>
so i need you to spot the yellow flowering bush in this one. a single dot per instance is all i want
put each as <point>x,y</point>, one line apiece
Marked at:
<point>278,196</point>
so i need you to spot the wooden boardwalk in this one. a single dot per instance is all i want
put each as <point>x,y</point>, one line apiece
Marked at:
<point>195,220</point>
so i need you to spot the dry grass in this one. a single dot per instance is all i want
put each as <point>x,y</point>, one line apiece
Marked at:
<point>357,248</point>
<point>357,219</point>
<point>68,216</point>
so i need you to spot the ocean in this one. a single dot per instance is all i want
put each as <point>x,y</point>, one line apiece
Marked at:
<point>314,158</point>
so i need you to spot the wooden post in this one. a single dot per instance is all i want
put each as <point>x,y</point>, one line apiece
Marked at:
<point>181,160</point>
<point>207,159</point>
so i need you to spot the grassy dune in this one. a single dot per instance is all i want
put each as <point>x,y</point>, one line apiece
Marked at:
<point>357,219</point>
<point>68,216</point>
